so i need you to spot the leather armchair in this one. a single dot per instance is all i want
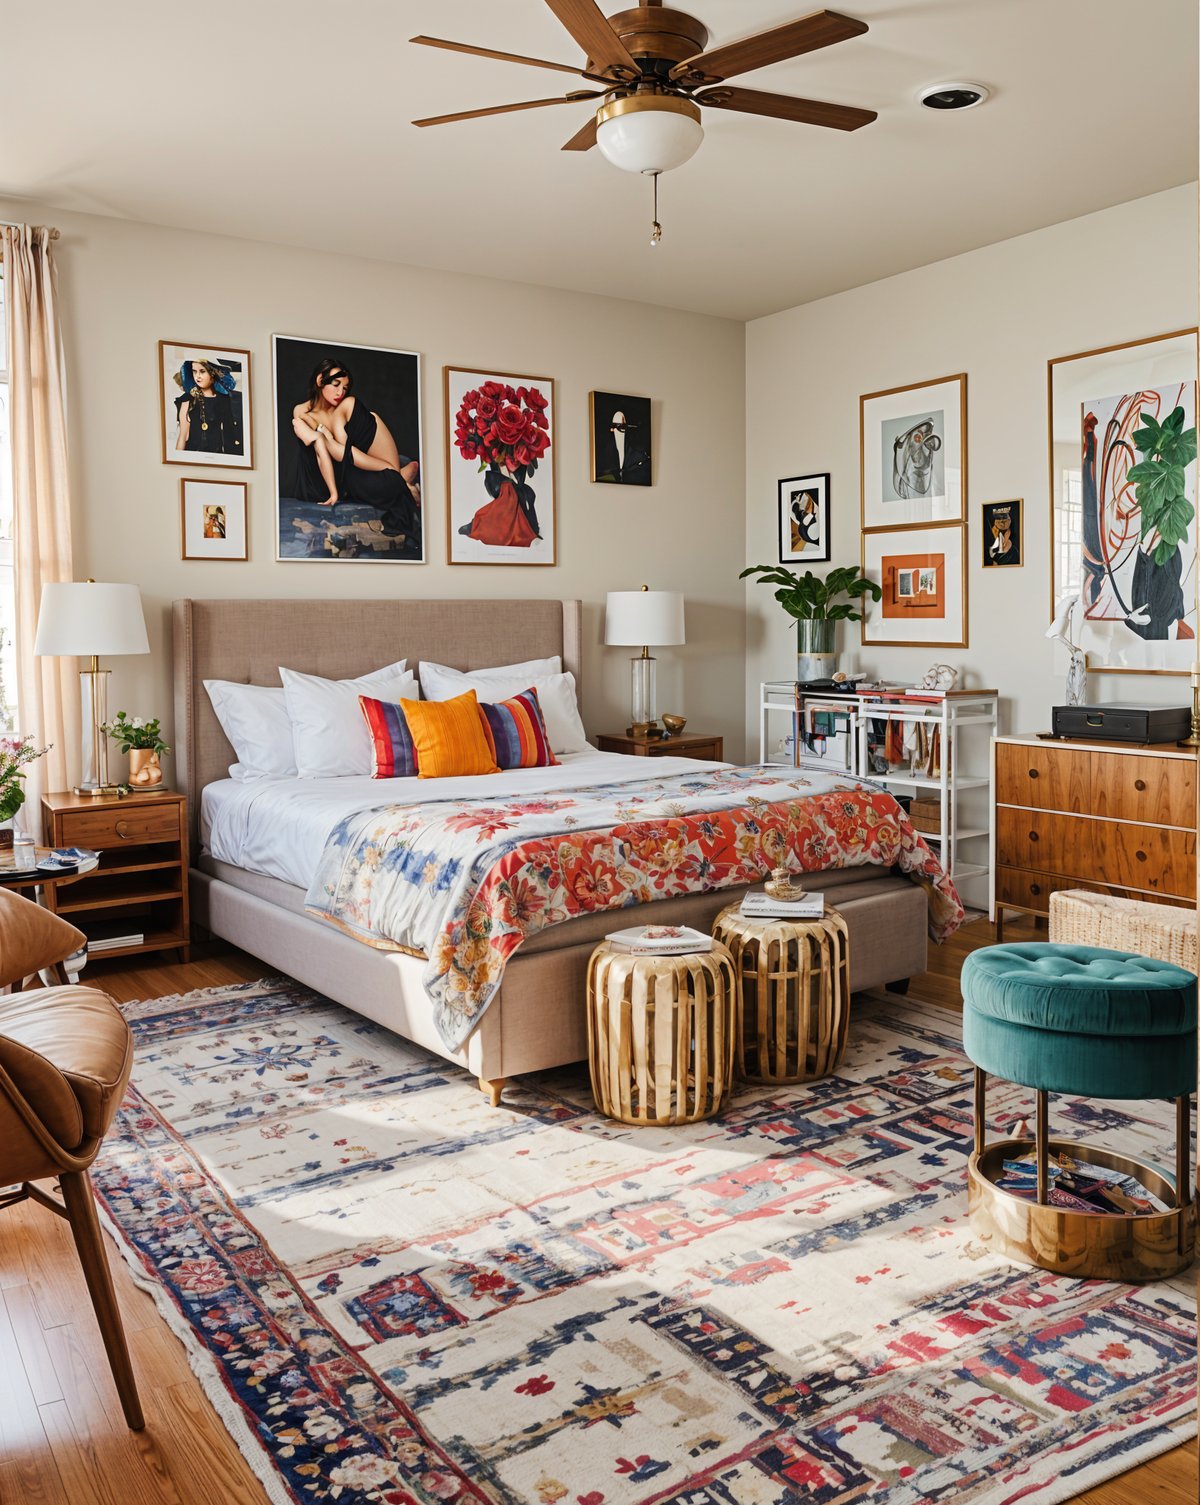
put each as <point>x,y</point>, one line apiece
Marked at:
<point>65,1058</point>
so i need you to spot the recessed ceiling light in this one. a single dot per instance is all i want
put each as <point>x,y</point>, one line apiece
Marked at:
<point>955,96</point>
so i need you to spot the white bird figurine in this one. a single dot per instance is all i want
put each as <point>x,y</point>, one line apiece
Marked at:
<point>1062,630</point>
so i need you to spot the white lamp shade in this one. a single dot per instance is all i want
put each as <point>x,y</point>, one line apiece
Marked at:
<point>90,617</point>
<point>652,134</point>
<point>643,618</point>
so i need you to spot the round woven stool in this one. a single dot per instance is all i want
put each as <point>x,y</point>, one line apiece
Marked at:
<point>1093,1023</point>
<point>793,980</point>
<point>661,1033</point>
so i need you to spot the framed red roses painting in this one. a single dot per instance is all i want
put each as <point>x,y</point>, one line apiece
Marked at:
<point>499,467</point>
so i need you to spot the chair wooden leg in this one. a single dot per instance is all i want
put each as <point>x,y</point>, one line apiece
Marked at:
<point>89,1244</point>
<point>1041,1130</point>
<point>980,1109</point>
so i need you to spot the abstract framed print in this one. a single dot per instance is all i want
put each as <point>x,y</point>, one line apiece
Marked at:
<point>922,573</point>
<point>621,441</point>
<point>348,452</point>
<point>913,454</point>
<point>1122,444</point>
<point>204,404</point>
<point>804,519</point>
<point>1003,537</point>
<point>212,519</point>
<point>499,467</point>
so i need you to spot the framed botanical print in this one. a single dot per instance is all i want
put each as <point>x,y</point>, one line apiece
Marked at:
<point>804,519</point>
<point>1003,538</point>
<point>499,467</point>
<point>204,404</point>
<point>347,452</point>
<point>913,454</point>
<point>922,574</point>
<point>621,439</point>
<point>1122,445</point>
<point>212,519</point>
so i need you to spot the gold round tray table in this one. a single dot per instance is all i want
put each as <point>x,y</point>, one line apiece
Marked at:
<point>661,1033</point>
<point>793,979</point>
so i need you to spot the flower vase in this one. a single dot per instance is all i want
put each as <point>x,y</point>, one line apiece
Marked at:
<point>7,828</point>
<point>815,656</point>
<point>145,771</point>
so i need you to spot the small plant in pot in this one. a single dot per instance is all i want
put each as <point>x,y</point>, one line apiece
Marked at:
<point>814,602</point>
<point>15,754</point>
<point>142,740</point>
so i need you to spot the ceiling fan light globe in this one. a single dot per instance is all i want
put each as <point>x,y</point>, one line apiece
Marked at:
<point>649,134</point>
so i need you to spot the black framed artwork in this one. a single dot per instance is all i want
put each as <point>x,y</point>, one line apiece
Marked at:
<point>1003,535</point>
<point>804,520</point>
<point>621,440</point>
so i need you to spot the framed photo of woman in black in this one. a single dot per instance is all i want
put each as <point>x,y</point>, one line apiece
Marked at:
<point>804,519</point>
<point>348,452</point>
<point>621,442</point>
<point>204,401</point>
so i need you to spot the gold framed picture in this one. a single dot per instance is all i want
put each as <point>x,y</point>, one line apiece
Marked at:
<point>913,454</point>
<point>204,405</point>
<point>922,573</point>
<point>212,519</point>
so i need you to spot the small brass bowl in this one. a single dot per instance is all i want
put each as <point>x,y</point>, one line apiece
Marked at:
<point>674,724</point>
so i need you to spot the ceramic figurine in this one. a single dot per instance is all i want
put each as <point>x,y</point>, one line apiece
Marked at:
<point>1062,630</point>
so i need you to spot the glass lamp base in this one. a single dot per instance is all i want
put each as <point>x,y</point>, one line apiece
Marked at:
<point>642,695</point>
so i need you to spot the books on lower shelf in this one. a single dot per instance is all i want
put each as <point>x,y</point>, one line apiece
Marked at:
<point>757,904</point>
<point>112,937</point>
<point>1080,1186</point>
<point>660,940</point>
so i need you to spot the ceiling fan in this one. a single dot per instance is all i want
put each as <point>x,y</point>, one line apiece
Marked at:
<point>655,76</point>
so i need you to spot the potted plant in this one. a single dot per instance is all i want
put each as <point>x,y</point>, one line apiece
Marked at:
<point>142,740</point>
<point>15,753</point>
<point>814,603</point>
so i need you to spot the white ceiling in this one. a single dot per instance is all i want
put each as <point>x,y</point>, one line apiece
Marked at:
<point>289,122</point>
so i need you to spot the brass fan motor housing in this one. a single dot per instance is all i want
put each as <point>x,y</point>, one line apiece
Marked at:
<point>657,33</point>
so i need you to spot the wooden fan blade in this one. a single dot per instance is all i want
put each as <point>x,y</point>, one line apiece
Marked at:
<point>584,139</point>
<point>822,29</point>
<point>526,104</point>
<point>504,57</point>
<point>589,26</point>
<point>786,107</point>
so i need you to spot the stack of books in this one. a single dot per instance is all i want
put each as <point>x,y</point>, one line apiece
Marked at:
<point>660,940</point>
<point>110,937</point>
<point>757,904</point>
<point>1080,1186</point>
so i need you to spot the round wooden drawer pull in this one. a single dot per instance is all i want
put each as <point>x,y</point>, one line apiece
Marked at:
<point>1035,888</point>
<point>1033,836</point>
<point>1141,856</point>
<point>123,831</point>
<point>1139,784</point>
<point>1033,773</point>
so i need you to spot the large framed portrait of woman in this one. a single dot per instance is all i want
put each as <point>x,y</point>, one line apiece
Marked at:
<point>204,401</point>
<point>347,452</point>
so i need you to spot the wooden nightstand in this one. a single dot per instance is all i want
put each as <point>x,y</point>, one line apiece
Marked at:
<point>686,745</point>
<point>142,882</point>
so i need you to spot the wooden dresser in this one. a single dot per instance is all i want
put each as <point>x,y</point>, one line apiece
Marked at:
<point>1114,818</point>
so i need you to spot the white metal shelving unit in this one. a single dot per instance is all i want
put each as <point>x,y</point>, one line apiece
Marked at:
<point>956,713</point>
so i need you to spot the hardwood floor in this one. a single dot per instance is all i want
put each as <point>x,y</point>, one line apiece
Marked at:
<point>62,1439</point>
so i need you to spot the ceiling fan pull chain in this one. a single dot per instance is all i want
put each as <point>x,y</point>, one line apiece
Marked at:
<point>656,228</point>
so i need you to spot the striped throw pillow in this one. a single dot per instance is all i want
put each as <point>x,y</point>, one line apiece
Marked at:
<point>516,732</point>
<point>393,755</point>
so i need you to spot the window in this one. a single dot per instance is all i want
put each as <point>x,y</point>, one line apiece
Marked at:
<point>8,663</point>
<point>1069,532</point>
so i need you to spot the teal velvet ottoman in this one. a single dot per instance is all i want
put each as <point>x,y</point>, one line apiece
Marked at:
<point>1092,1023</point>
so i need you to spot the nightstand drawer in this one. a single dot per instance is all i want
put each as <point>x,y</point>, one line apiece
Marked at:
<point>135,825</point>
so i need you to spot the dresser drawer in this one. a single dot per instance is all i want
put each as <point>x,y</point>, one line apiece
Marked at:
<point>1117,786</point>
<point>135,825</point>
<point>1115,853</point>
<point>1022,889</point>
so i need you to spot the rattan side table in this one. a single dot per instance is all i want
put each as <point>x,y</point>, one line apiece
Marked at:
<point>661,1034</point>
<point>793,979</point>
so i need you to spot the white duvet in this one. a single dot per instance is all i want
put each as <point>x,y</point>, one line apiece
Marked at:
<point>279,826</point>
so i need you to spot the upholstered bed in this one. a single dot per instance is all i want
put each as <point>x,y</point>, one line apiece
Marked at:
<point>537,1018</point>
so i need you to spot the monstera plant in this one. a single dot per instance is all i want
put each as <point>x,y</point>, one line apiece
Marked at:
<point>1160,477</point>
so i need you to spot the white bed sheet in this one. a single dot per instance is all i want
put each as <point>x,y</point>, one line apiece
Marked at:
<point>279,826</point>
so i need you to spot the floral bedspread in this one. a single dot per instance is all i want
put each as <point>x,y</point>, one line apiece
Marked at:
<point>464,881</point>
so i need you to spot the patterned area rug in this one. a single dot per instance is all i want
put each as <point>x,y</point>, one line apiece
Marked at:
<point>394,1293</point>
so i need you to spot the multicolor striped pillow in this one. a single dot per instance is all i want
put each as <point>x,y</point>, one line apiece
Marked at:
<point>516,732</point>
<point>393,754</point>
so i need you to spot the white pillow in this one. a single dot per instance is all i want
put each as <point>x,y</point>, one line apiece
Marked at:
<point>556,695</point>
<point>329,731</point>
<point>255,719</point>
<point>532,669</point>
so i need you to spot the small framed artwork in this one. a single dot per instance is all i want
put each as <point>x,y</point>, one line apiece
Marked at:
<point>621,442</point>
<point>347,452</point>
<point>212,519</point>
<point>913,454</point>
<point>1123,486</point>
<point>804,520</point>
<point>204,404</point>
<point>1003,540</point>
<point>499,467</point>
<point>922,573</point>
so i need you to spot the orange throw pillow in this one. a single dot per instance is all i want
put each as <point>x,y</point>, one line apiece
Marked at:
<point>448,737</point>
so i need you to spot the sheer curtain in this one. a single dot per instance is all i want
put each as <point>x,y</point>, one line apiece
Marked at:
<point>47,688</point>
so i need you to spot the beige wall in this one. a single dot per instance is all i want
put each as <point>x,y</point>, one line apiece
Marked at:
<point>998,314</point>
<point>125,286</point>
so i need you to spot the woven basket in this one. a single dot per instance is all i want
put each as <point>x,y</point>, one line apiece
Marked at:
<point>1163,931</point>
